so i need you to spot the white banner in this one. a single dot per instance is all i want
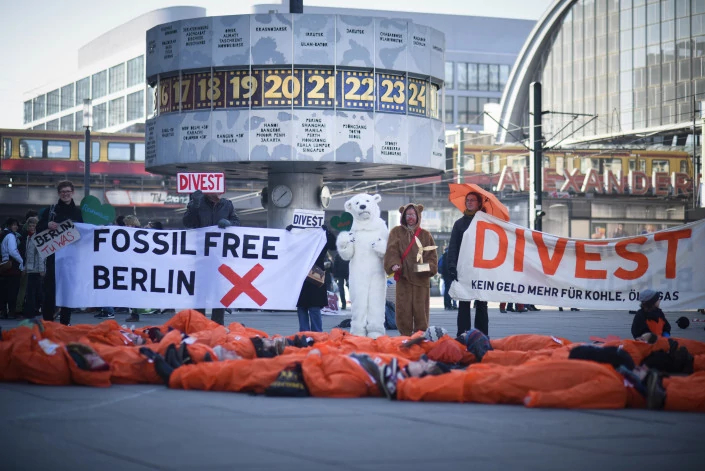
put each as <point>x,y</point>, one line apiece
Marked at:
<point>51,240</point>
<point>238,267</point>
<point>503,262</point>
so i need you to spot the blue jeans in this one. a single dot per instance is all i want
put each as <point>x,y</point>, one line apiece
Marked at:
<point>448,302</point>
<point>316,322</point>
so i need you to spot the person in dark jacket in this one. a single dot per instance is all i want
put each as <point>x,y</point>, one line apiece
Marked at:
<point>312,298</point>
<point>63,210</point>
<point>341,273</point>
<point>10,279</point>
<point>205,210</point>
<point>210,209</point>
<point>650,319</point>
<point>473,204</point>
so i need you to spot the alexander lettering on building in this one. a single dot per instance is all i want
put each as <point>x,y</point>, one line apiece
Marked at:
<point>633,183</point>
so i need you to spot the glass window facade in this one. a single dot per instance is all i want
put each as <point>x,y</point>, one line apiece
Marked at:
<point>39,107</point>
<point>27,111</point>
<point>99,85</point>
<point>135,71</point>
<point>53,102</point>
<point>117,78</point>
<point>100,115</point>
<point>449,76</point>
<point>628,62</point>
<point>83,90</point>
<point>67,97</point>
<point>449,109</point>
<point>117,112</point>
<point>135,105</point>
<point>67,123</point>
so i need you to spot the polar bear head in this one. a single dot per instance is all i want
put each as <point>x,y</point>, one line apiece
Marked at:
<point>363,207</point>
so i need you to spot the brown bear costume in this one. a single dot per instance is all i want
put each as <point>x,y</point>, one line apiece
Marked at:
<point>413,288</point>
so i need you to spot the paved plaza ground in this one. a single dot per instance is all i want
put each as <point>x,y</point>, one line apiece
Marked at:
<point>152,427</point>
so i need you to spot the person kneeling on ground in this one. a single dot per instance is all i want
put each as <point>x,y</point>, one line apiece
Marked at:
<point>650,318</point>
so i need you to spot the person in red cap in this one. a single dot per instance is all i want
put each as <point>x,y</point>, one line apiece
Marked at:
<point>650,319</point>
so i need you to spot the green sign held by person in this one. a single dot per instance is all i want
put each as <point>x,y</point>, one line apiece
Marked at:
<point>95,213</point>
<point>342,222</point>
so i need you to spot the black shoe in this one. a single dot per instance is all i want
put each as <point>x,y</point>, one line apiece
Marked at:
<point>163,369</point>
<point>389,379</point>
<point>560,309</point>
<point>372,368</point>
<point>510,309</point>
<point>655,394</point>
<point>574,309</point>
<point>503,311</point>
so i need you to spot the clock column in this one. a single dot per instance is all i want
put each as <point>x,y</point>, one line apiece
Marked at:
<point>304,188</point>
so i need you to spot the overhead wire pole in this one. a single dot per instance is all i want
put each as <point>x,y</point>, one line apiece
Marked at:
<point>461,156</point>
<point>536,154</point>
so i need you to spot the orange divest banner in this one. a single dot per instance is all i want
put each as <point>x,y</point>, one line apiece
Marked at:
<point>500,261</point>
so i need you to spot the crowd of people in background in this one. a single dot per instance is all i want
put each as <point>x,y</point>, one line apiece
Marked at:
<point>28,283</point>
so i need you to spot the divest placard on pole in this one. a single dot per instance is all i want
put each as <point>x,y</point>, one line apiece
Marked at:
<point>306,218</point>
<point>205,182</point>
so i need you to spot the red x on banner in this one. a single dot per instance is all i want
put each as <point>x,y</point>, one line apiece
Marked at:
<point>242,285</point>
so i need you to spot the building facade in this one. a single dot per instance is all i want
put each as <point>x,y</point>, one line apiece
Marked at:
<point>111,73</point>
<point>634,70</point>
<point>617,76</point>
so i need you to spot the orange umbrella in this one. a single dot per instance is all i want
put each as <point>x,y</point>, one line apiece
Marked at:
<point>490,203</point>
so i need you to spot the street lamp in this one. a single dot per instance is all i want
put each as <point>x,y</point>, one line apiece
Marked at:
<point>87,123</point>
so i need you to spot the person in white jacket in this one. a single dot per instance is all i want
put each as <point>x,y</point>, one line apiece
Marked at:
<point>10,278</point>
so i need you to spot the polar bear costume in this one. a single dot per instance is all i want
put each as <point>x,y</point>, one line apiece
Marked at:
<point>364,246</point>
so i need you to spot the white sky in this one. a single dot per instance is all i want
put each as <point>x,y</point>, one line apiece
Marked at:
<point>40,38</point>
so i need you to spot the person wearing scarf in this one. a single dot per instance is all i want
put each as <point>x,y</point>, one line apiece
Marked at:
<point>413,288</point>
<point>473,204</point>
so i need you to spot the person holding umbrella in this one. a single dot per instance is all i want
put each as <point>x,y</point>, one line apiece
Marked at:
<point>473,199</point>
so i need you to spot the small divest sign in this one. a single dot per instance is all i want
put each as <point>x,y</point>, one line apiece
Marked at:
<point>500,261</point>
<point>205,182</point>
<point>305,218</point>
<point>52,240</point>
<point>238,267</point>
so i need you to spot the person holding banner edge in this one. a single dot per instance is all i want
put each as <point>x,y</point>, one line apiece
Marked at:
<point>65,209</point>
<point>473,204</point>
<point>312,296</point>
<point>205,210</point>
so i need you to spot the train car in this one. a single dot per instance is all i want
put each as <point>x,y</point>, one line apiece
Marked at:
<point>37,152</point>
